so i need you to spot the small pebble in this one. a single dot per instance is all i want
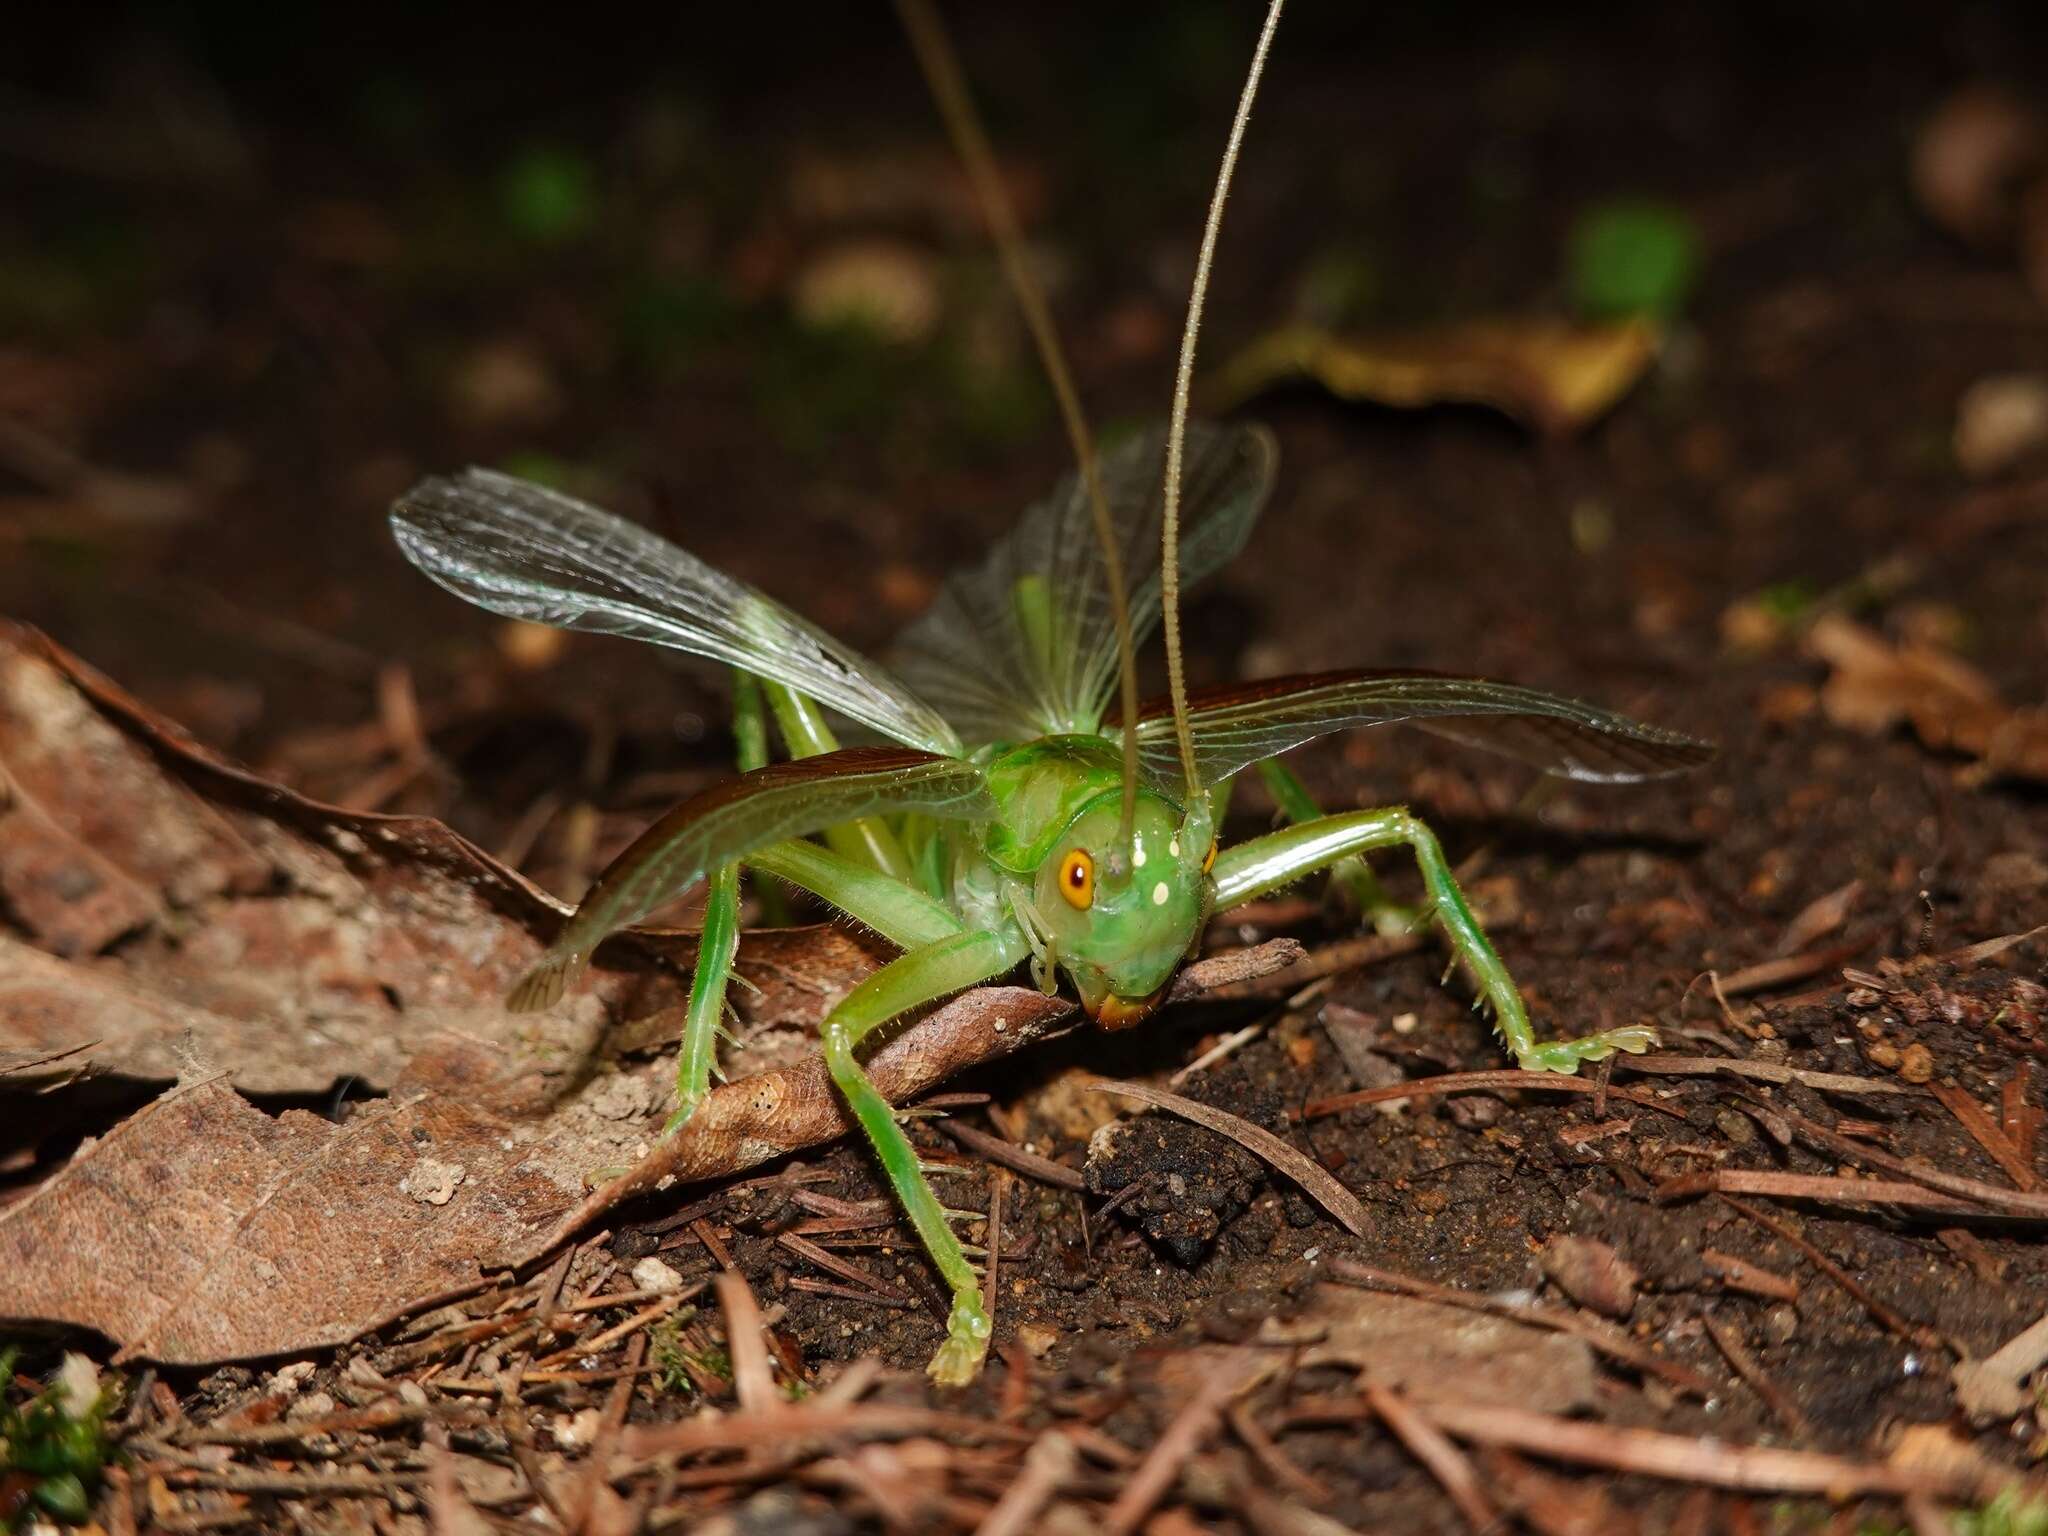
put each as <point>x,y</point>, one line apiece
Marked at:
<point>1735,1127</point>
<point>1884,1054</point>
<point>1917,1064</point>
<point>650,1274</point>
<point>1591,1273</point>
<point>1781,1323</point>
<point>1999,421</point>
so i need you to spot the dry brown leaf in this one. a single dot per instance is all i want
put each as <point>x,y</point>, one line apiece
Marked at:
<point>1876,687</point>
<point>183,914</point>
<point>1434,1352</point>
<point>1552,375</point>
<point>286,942</point>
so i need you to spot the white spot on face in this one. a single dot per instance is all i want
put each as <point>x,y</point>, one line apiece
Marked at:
<point>1159,894</point>
<point>1138,853</point>
<point>1174,847</point>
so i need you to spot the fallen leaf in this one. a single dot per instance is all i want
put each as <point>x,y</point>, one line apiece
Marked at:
<point>180,914</point>
<point>1435,1353</point>
<point>1591,1273</point>
<point>1876,687</point>
<point>1551,375</point>
<point>203,1228</point>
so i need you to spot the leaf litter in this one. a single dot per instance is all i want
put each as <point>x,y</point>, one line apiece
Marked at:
<point>290,1232</point>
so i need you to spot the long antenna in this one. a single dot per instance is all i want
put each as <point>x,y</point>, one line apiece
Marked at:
<point>1177,430</point>
<point>942,73</point>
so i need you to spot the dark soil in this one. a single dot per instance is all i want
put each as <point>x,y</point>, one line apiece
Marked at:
<point>287,344</point>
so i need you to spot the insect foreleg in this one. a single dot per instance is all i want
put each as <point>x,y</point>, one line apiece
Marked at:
<point>806,734</point>
<point>907,982</point>
<point>1350,874</point>
<point>1267,863</point>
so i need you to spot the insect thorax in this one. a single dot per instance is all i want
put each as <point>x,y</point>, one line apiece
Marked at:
<point>1039,788</point>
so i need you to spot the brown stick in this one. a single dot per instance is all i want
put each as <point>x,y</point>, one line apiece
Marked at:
<point>1472,1082</point>
<point>765,1116</point>
<point>1311,1176</point>
<point>1692,1459</point>
<point>1814,1186</point>
<point>1150,1479</point>
<point>1898,1323</point>
<point>1987,1133</point>
<point>1747,1367</point>
<point>1430,1446</point>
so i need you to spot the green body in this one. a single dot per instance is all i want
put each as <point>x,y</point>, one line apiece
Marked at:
<point>1054,797</point>
<point>995,831</point>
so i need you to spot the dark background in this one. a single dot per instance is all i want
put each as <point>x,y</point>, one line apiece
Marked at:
<point>260,258</point>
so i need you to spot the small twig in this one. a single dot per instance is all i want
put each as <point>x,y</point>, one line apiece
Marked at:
<point>1987,1133</point>
<point>1329,960</point>
<point>1750,1370</point>
<point>746,1430</point>
<point>1047,1466</point>
<point>1513,1078</point>
<point>753,1381</point>
<point>2019,1202</point>
<point>1913,1333</point>
<point>1234,1041</point>
<point>1312,1177</point>
<point>719,1256</point>
<point>617,1331</point>
<point>845,1269</point>
<point>817,1287</point>
<point>2020,1119</point>
<point>1741,1275</point>
<point>1761,1071</point>
<point>1010,1155</point>
<point>1696,1459</point>
<point>592,1492</point>
<point>999,1186</point>
<point>519,1441</point>
<point>1772,974</point>
<point>1276,1462</point>
<point>1679,1458</point>
<point>1818,1187</point>
<point>1430,1446</point>
<point>1195,1422</point>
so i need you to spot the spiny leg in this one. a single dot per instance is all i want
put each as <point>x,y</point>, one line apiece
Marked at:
<point>910,981</point>
<point>1350,874</point>
<point>1267,863</point>
<point>718,941</point>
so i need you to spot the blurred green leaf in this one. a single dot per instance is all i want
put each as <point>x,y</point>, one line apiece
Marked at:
<point>549,195</point>
<point>1632,258</point>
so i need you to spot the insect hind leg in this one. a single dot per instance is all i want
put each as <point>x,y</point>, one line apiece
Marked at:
<point>909,981</point>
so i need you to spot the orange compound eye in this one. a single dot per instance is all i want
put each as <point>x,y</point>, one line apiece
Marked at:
<point>1077,880</point>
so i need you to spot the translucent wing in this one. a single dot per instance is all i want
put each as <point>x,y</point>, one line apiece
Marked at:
<point>1236,726</point>
<point>1024,644</point>
<point>732,819</point>
<point>531,553</point>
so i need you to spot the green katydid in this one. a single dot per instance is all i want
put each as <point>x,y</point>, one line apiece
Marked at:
<point>1015,819</point>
